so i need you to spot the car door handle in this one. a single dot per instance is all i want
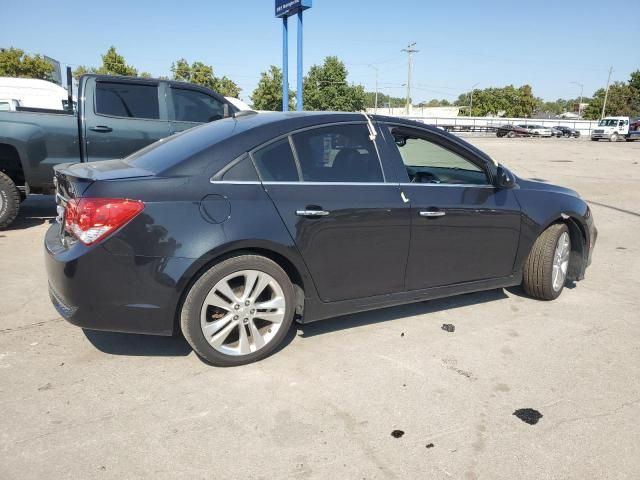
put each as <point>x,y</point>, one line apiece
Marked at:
<point>101,129</point>
<point>433,213</point>
<point>312,213</point>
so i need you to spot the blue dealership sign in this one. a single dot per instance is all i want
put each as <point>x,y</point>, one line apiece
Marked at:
<point>286,8</point>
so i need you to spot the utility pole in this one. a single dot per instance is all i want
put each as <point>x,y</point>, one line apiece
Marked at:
<point>410,51</point>
<point>606,94</point>
<point>376,101</point>
<point>580,100</point>
<point>471,106</point>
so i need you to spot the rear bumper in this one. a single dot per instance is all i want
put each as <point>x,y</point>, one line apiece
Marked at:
<point>97,290</point>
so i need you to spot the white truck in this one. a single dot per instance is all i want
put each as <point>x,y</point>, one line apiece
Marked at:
<point>617,128</point>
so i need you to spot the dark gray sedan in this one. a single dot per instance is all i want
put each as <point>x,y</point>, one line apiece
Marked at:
<point>231,231</point>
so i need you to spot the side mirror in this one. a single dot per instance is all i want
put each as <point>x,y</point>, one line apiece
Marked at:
<point>504,178</point>
<point>225,110</point>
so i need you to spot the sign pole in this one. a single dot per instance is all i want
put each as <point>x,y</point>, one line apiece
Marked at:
<point>299,92</point>
<point>285,65</point>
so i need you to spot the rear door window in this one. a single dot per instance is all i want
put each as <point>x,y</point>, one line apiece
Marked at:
<point>276,163</point>
<point>194,106</point>
<point>127,100</point>
<point>338,153</point>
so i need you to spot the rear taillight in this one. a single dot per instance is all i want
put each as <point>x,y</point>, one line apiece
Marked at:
<point>92,219</point>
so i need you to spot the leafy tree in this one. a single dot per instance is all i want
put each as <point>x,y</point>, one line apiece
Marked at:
<point>268,93</point>
<point>384,100</point>
<point>326,88</point>
<point>506,101</point>
<point>202,74</point>
<point>14,63</point>
<point>112,64</point>
<point>623,99</point>
<point>435,103</point>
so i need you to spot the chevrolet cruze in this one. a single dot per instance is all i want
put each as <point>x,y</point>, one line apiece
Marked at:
<point>232,230</point>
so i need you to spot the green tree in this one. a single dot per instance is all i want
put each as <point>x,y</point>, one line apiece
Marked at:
<point>268,93</point>
<point>14,63</point>
<point>326,88</point>
<point>202,74</point>
<point>506,101</point>
<point>384,100</point>
<point>112,64</point>
<point>435,103</point>
<point>623,99</point>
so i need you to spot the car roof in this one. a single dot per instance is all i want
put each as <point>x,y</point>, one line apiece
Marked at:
<point>223,140</point>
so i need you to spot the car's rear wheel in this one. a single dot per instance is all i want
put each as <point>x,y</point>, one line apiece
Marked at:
<point>545,271</point>
<point>9,201</point>
<point>511,134</point>
<point>238,311</point>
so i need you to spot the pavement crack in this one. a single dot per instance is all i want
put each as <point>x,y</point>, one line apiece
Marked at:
<point>30,325</point>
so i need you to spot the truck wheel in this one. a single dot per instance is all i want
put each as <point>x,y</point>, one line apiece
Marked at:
<point>545,270</point>
<point>9,201</point>
<point>613,137</point>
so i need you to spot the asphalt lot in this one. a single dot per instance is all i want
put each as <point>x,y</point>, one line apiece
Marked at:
<point>77,404</point>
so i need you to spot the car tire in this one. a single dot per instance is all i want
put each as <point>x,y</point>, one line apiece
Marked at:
<point>228,325</point>
<point>546,267</point>
<point>511,134</point>
<point>613,137</point>
<point>9,201</point>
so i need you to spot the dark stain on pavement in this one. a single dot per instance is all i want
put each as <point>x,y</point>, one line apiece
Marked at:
<point>397,433</point>
<point>528,415</point>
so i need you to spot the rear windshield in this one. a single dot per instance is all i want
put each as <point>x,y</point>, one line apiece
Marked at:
<point>169,152</point>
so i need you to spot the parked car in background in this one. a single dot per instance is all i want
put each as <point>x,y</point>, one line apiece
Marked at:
<point>568,132</point>
<point>555,132</point>
<point>230,230</point>
<point>538,130</point>
<point>116,117</point>
<point>512,131</point>
<point>617,128</point>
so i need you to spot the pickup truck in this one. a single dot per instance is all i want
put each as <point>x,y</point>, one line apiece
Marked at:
<point>116,116</point>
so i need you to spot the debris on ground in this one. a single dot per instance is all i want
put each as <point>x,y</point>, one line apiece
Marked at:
<point>397,433</point>
<point>448,327</point>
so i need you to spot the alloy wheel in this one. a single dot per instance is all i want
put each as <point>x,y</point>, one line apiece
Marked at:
<point>243,312</point>
<point>561,261</point>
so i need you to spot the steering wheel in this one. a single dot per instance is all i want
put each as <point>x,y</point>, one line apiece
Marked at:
<point>425,177</point>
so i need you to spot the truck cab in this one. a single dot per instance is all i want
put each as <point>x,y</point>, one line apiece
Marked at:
<point>115,117</point>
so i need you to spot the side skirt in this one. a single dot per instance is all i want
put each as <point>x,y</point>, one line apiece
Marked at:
<point>315,310</point>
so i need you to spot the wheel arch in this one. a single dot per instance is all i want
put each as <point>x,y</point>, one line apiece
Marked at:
<point>10,163</point>
<point>578,237</point>
<point>294,268</point>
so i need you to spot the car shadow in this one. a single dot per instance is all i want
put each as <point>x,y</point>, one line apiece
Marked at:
<point>371,317</point>
<point>136,345</point>
<point>35,210</point>
<point>129,344</point>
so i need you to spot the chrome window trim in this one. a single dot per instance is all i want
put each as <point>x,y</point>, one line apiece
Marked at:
<point>351,184</point>
<point>295,153</point>
<point>236,182</point>
<point>465,185</point>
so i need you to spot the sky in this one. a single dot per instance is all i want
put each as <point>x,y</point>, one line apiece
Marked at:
<point>545,43</point>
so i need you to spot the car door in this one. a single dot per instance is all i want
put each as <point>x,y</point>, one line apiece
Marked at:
<point>350,225</point>
<point>126,116</point>
<point>189,107</point>
<point>463,228</point>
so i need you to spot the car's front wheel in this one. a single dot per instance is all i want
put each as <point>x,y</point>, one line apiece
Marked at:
<point>545,270</point>
<point>238,311</point>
